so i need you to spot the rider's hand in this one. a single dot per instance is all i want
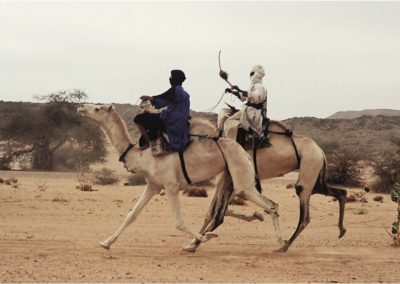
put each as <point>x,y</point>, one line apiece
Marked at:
<point>228,90</point>
<point>223,75</point>
<point>146,98</point>
<point>235,88</point>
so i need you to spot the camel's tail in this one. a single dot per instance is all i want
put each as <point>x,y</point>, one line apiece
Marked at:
<point>322,187</point>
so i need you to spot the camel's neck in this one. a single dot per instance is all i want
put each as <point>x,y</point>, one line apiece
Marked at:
<point>117,133</point>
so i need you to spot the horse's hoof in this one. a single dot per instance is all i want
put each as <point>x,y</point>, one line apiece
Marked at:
<point>282,249</point>
<point>189,248</point>
<point>258,216</point>
<point>342,232</point>
<point>104,245</point>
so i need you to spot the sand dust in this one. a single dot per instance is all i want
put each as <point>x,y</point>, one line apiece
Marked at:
<point>49,232</point>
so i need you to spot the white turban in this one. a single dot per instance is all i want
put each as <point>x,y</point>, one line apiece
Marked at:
<point>259,73</point>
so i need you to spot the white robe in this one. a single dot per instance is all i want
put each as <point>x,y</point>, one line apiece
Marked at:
<point>249,117</point>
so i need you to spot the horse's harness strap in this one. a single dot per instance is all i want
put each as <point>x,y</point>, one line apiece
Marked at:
<point>185,174</point>
<point>122,157</point>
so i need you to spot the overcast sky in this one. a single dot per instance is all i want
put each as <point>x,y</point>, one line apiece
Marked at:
<point>320,57</point>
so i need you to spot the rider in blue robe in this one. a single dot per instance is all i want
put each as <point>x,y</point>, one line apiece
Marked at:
<point>174,117</point>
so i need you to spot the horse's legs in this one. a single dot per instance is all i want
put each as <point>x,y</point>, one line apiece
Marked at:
<point>149,191</point>
<point>173,199</point>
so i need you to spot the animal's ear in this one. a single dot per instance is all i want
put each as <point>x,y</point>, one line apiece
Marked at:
<point>110,108</point>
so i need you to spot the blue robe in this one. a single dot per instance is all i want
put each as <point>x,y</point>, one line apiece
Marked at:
<point>176,115</point>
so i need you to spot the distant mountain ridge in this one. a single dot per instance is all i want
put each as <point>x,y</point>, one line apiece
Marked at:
<point>370,132</point>
<point>351,114</point>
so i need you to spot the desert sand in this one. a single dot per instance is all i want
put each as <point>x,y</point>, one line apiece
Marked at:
<point>49,232</point>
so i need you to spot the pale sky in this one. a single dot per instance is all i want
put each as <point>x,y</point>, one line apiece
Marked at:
<point>320,57</point>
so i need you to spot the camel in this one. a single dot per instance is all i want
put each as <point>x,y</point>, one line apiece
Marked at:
<point>204,160</point>
<point>276,161</point>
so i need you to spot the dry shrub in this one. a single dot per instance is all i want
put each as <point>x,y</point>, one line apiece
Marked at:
<point>345,168</point>
<point>8,182</point>
<point>358,196</point>
<point>387,169</point>
<point>1,180</point>
<point>105,176</point>
<point>42,186</point>
<point>137,180</point>
<point>85,186</point>
<point>361,211</point>
<point>378,198</point>
<point>59,199</point>
<point>194,191</point>
<point>14,180</point>
<point>15,186</point>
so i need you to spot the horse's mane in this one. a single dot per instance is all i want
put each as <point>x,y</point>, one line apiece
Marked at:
<point>202,126</point>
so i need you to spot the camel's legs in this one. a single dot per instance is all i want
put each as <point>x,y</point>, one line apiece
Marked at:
<point>270,207</point>
<point>248,218</point>
<point>217,209</point>
<point>173,199</point>
<point>220,203</point>
<point>304,217</point>
<point>340,194</point>
<point>148,193</point>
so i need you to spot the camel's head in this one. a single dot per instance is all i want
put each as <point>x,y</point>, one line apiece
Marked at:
<point>100,113</point>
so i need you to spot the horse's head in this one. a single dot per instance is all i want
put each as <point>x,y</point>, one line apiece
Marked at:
<point>100,113</point>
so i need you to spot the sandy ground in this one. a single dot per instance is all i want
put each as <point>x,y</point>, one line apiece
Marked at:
<point>49,232</point>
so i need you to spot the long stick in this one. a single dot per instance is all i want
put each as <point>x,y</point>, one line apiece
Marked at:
<point>220,70</point>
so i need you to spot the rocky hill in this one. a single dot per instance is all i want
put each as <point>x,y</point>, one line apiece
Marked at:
<point>358,113</point>
<point>370,134</point>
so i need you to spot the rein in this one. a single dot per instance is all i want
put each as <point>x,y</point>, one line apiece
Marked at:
<point>122,157</point>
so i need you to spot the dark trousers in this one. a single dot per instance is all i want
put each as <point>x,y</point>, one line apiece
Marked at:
<point>151,122</point>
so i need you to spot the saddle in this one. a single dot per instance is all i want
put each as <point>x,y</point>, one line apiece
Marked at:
<point>250,140</point>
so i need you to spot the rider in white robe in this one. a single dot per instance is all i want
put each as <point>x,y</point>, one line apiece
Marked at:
<point>251,117</point>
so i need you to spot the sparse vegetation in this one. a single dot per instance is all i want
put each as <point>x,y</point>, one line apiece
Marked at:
<point>137,180</point>
<point>52,134</point>
<point>105,176</point>
<point>378,198</point>
<point>42,186</point>
<point>357,196</point>
<point>194,191</point>
<point>395,195</point>
<point>85,184</point>
<point>345,168</point>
